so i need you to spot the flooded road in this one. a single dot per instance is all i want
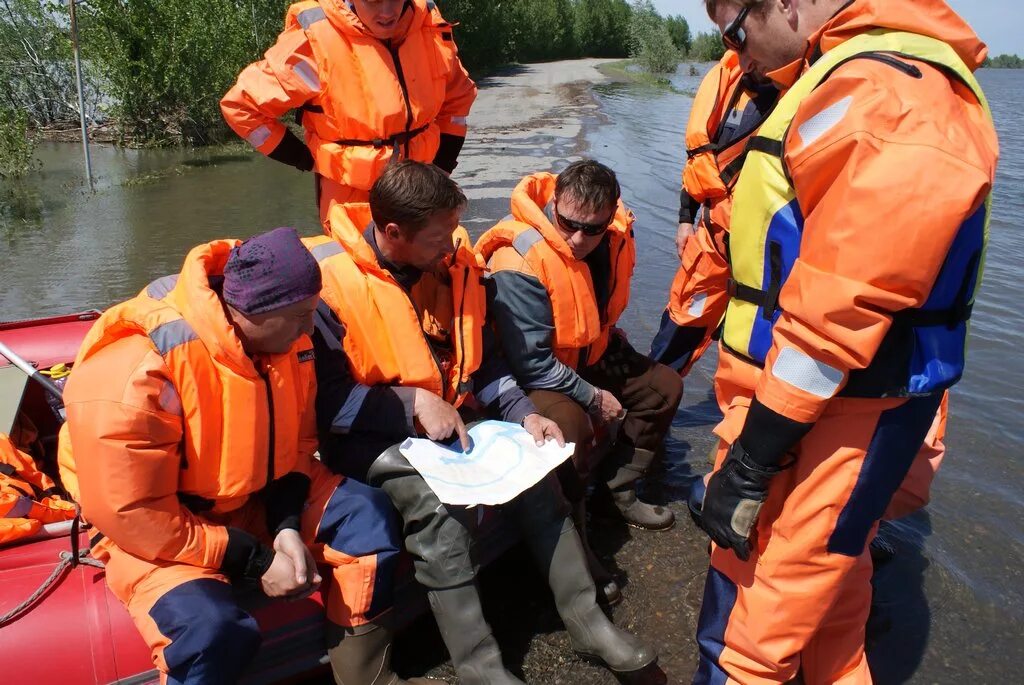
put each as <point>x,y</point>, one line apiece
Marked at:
<point>955,597</point>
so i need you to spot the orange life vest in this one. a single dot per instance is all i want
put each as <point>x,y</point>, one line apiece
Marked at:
<point>242,418</point>
<point>28,497</point>
<point>711,172</point>
<point>375,99</point>
<point>581,331</point>
<point>386,334</point>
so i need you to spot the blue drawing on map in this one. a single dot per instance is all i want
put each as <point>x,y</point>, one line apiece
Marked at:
<point>485,437</point>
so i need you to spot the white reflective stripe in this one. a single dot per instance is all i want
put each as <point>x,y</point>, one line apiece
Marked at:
<point>308,75</point>
<point>460,121</point>
<point>697,303</point>
<point>162,287</point>
<point>495,389</point>
<point>823,122</point>
<point>526,240</point>
<point>326,250</point>
<point>259,136</point>
<point>172,334</point>
<point>311,16</point>
<point>807,374</point>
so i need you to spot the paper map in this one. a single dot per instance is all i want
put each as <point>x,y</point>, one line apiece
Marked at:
<point>502,462</point>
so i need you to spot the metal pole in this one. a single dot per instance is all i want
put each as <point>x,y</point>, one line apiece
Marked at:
<point>31,371</point>
<point>81,98</point>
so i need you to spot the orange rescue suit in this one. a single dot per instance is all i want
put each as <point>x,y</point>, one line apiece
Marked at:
<point>699,292</point>
<point>581,330</point>
<point>225,428</point>
<point>387,328</point>
<point>362,99</point>
<point>28,497</point>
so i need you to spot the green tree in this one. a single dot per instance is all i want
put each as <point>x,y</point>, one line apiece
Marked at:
<point>707,47</point>
<point>679,29</point>
<point>650,43</point>
<point>37,75</point>
<point>168,63</point>
<point>1004,62</point>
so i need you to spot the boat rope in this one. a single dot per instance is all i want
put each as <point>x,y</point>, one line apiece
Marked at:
<point>68,560</point>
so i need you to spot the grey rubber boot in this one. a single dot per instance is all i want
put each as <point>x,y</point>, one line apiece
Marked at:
<point>608,592</point>
<point>558,550</point>
<point>473,649</point>
<point>362,656</point>
<point>635,463</point>
<point>440,539</point>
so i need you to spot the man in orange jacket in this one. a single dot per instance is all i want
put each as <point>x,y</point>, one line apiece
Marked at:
<point>403,349</point>
<point>560,270</point>
<point>373,80</point>
<point>857,236</point>
<point>727,110</point>
<point>189,443</point>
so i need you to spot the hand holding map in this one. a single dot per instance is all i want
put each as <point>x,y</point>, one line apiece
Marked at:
<point>503,461</point>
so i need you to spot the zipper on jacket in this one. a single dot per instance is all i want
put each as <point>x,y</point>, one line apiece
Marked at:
<point>405,91</point>
<point>270,430</point>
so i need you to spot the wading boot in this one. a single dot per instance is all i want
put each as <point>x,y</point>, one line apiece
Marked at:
<point>362,656</point>
<point>558,550</point>
<point>473,649</point>
<point>622,486</point>
<point>608,592</point>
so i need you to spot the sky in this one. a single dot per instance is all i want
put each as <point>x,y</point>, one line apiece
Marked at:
<point>1000,23</point>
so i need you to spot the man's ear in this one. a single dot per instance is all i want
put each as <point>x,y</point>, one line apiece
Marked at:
<point>791,10</point>
<point>393,232</point>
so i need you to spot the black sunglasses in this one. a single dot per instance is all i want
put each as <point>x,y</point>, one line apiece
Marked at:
<point>571,226</point>
<point>734,36</point>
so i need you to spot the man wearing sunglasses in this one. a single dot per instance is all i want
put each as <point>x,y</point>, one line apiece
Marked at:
<point>560,269</point>
<point>858,229</point>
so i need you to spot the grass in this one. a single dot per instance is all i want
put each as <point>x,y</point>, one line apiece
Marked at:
<point>620,71</point>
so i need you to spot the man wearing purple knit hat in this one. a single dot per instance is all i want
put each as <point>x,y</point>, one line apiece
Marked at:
<point>190,444</point>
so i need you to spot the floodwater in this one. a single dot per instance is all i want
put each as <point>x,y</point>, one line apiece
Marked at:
<point>954,599</point>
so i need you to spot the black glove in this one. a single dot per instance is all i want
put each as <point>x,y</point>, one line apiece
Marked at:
<point>293,152</point>
<point>733,500</point>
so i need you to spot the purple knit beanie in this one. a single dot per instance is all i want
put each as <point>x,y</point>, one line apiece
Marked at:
<point>270,271</point>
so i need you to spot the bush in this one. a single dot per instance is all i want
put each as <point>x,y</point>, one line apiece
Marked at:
<point>168,63</point>
<point>650,43</point>
<point>17,146</point>
<point>707,47</point>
